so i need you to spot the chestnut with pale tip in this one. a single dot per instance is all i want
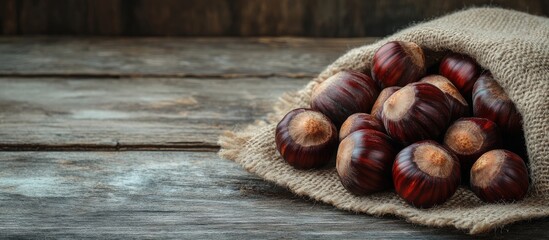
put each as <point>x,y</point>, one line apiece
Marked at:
<point>462,71</point>
<point>418,111</point>
<point>398,63</point>
<point>426,174</point>
<point>381,98</point>
<point>306,139</point>
<point>490,101</point>
<point>469,138</point>
<point>499,176</point>
<point>359,121</point>
<point>364,161</point>
<point>343,94</point>
<point>458,105</point>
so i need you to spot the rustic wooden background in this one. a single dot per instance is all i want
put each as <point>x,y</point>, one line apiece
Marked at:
<point>116,137</point>
<point>313,18</point>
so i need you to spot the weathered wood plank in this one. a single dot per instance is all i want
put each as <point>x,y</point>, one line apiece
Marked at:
<point>105,17</point>
<point>8,17</point>
<point>122,114</point>
<point>172,57</point>
<point>341,18</point>
<point>178,195</point>
<point>47,17</point>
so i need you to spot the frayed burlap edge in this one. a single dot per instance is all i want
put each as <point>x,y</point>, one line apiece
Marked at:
<point>254,147</point>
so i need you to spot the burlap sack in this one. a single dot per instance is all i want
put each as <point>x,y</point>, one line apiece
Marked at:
<point>513,45</point>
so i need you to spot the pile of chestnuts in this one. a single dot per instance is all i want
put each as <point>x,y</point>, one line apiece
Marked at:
<point>419,129</point>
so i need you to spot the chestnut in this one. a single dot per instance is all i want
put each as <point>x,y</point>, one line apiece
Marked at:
<point>462,71</point>
<point>416,112</point>
<point>490,101</point>
<point>469,138</point>
<point>343,94</point>
<point>458,105</point>
<point>364,161</point>
<point>499,176</point>
<point>398,63</point>
<point>359,121</point>
<point>306,139</point>
<point>383,95</point>
<point>426,174</point>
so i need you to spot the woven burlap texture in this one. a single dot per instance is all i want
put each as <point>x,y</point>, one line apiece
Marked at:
<point>513,45</point>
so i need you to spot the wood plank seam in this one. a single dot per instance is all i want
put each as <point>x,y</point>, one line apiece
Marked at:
<point>116,147</point>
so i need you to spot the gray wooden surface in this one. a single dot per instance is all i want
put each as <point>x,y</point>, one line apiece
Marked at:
<point>157,57</point>
<point>137,113</point>
<point>77,130</point>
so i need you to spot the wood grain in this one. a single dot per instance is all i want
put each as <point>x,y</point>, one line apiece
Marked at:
<point>173,57</point>
<point>179,195</point>
<point>105,17</point>
<point>8,17</point>
<point>312,18</point>
<point>124,114</point>
<point>52,17</point>
<point>88,94</point>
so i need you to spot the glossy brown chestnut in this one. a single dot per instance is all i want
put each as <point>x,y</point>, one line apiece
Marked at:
<point>490,101</point>
<point>499,176</point>
<point>343,94</point>
<point>462,71</point>
<point>426,174</point>
<point>458,105</point>
<point>383,95</point>
<point>306,138</point>
<point>416,112</point>
<point>469,138</point>
<point>359,121</point>
<point>364,161</point>
<point>398,63</point>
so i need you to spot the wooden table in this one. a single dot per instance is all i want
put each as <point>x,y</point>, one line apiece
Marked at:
<point>116,138</point>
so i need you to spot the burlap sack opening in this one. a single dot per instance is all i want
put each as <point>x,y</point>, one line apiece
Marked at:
<point>513,45</point>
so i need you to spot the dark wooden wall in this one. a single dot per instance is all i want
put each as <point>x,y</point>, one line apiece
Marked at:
<point>315,18</point>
